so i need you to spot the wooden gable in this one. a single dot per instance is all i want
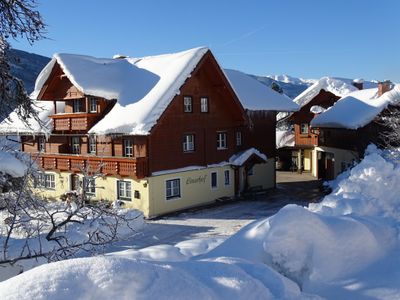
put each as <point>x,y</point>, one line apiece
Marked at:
<point>225,114</point>
<point>59,87</point>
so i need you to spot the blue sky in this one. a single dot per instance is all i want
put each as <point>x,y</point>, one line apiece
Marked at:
<point>309,38</point>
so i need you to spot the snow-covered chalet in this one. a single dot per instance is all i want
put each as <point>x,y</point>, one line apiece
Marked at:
<point>355,121</point>
<point>161,133</point>
<point>336,123</point>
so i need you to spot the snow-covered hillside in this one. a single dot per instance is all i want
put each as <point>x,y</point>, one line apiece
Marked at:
<point>291,86</point>
<point>346,247</point>
<point>27,66</point>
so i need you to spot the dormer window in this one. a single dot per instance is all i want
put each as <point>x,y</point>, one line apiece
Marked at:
<point>77,105</point>
<point>187,104</point>
<point>93,105</point>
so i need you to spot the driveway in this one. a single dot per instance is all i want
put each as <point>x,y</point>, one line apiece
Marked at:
<point>223,220</point>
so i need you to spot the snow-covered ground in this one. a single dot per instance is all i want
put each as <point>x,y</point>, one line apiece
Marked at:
<point>346,247</point>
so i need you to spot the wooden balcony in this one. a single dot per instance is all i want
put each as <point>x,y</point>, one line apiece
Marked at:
<point>123,166</point>
<point>310,139</point>
<point>75,121</point>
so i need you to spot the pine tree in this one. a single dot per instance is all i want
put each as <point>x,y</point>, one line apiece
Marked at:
<point>18,19</point>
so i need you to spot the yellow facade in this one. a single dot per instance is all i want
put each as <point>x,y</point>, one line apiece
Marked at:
<point>149,194</point>
<point>263,175</point>
<point>307,160</point>
<point>342,159</point>
<point>195,189</point>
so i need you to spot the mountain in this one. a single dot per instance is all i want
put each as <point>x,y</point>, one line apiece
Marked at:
<point>26,66</point>
<point>291,86</point>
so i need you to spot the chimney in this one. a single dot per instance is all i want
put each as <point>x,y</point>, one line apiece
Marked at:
<point>384,86</point>
<point>358,83</point>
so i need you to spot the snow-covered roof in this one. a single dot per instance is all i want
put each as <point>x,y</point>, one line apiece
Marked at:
<point>240,158</point>
<point>357,109</point>
<point>256,96</point>
<point>337,86</point>
<point>101,77</point>
<point>15,125</point>
<point>284,138</point>
<point>316,109</point>
<point>143,86</point>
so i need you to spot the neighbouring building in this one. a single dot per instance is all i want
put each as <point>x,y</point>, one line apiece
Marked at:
<point>161,133</point>
<point>304,148</point>
<point>347,128</point>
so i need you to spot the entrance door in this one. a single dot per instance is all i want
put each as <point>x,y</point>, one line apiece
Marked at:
<point>330,166</point>
<point>75,183</point>
<point>326,165</point>
<point>321,165</point>
<point>240,180</point>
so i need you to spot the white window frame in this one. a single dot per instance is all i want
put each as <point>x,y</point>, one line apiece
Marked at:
<point>222,141</point>
<point>187,104</point>
<point>304,128</point>
<point>46,180</point>
<point>42,144</point>
<point>204,104</point>
<point>227,177</point>
<point>92,105</point>
<point>76,146</point>
<point>89,184</point>
<point>238,138</point>
<point>77,106</point>
<point>173,188</point>
<point>124,190</point>
<point>216,180</point>
<point>92,144</point>
<point>188,143</point>
<point>128,148</point>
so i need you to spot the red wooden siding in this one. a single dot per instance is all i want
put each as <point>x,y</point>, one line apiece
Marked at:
<point>224,115</point>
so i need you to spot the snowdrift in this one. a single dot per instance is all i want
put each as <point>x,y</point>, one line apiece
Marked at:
<point>346,247</point>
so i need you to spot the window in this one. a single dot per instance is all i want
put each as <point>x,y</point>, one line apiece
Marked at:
<point>304,128</point>
<point>75,145</point>
<point>187,104</point>
<point>250,171</point>
<point>41,144</point>
<point>128,148</point>
<point>204,104</point>
<point>221,140</point>
<point>227,178</point>
<point>124,190</point>
<point>188,142</point>
<point>238,138</point>
<point>77,105</point>
<point>89,186</point>
<point>93,105</point>
<point>214,180</point>
<point>92,144</point>
<point>136,194</point>
<point>47,181</point>
<point>173,188</point>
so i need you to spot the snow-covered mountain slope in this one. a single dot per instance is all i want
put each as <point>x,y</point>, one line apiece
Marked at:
<point>291,86</point>
<point>27,66</point>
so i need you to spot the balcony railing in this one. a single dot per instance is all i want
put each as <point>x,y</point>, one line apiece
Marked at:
<point>74,121</point>
<point>132,167</point>
<point>310,139</point>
